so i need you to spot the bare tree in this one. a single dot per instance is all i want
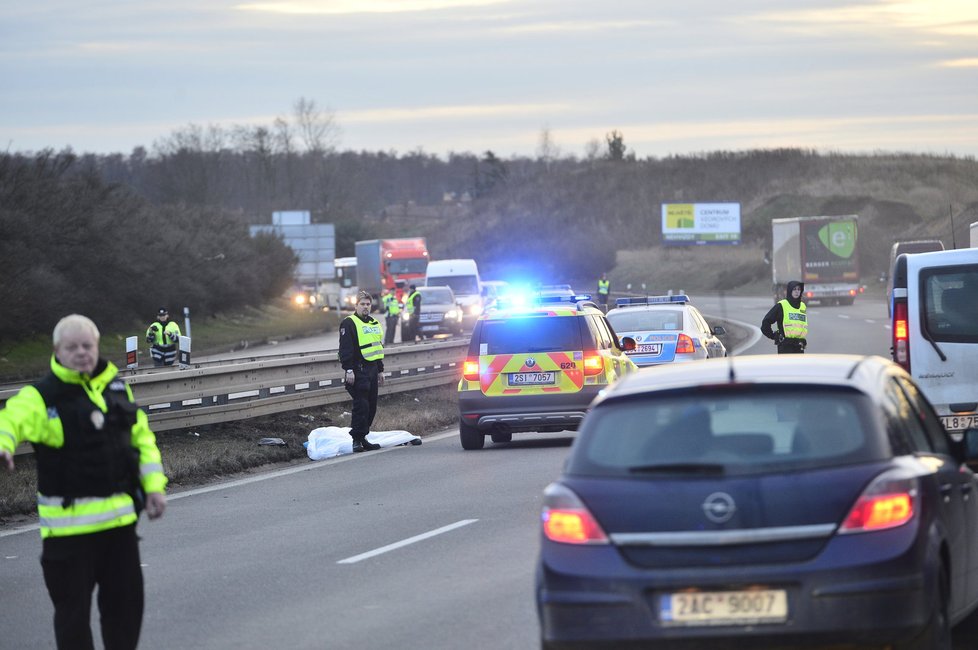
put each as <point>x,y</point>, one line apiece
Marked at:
<point>547,149</point>
<point>317,128</point>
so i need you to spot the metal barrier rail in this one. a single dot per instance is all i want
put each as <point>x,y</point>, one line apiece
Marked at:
<point>209,393</point>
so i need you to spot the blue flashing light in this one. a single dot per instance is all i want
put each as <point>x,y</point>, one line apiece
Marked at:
<point>652,300</point>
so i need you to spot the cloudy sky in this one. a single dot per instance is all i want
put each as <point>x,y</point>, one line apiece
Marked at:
<point>673,76</point>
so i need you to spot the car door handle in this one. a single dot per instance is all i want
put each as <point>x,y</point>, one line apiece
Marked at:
<point>946,490</point>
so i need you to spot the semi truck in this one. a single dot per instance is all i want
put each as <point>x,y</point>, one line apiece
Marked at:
<point>384,264</point>
<point>822,252</point>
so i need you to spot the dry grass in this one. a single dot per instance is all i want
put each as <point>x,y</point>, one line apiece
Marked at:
<point>218,451</point>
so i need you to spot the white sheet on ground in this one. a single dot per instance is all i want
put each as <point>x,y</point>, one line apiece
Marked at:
<point>327,442</point>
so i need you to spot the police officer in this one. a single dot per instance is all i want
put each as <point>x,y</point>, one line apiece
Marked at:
<point>791,319</point>
<point>393,309</point>
<point>163,336</point>
<point>362,357</point>
<point>604,290</point>
<point>97,466</point>
<point>412,307</point>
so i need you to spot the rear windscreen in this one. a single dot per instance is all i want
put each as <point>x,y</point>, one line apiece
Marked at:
<point>729,432</point>
<point>659,319</point>
<point>950,303</point>
<point>529,335</point>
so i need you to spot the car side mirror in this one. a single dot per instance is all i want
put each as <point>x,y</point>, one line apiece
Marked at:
<point>628,343</point>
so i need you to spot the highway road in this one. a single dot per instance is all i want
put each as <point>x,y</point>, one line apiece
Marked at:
<point>416,547</point>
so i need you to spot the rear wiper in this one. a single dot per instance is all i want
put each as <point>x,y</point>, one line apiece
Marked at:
<point>678,468</point>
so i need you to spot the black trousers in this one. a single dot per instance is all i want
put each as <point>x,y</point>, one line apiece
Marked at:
<point>364,394</point>
<point>791,347</point>
<point>73,566</point>
<point>391,328</point>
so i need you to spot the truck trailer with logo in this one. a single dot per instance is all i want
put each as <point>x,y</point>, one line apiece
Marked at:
<point>822,252</point>
<point>384,264</point>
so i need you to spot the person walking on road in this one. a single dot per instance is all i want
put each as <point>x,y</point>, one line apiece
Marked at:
<point>163,335</point>
<point>412,307</point>
<point>393,310</point>
<point>362,357</point>
<point>98,466</point>
<point>791,318</point>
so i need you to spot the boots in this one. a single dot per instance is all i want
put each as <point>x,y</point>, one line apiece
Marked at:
<point>361,444</point>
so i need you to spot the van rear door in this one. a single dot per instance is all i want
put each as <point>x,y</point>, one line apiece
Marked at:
<point>942,331</point>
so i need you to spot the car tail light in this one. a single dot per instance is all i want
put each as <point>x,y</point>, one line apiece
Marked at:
<point>566,520</point>
<point>470,369</point>
<point>593,363</point>
<point>901,334</point>
<point>685,345</point>
<point>891,500</point>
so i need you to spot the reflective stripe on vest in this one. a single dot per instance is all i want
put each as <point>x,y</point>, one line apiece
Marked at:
<point>795,322</point>
<point>603,286</point>
<point>85,514</point>
<point>370,339</point>
<point>409,303</point>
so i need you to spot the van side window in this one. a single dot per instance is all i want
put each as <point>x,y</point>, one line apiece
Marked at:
<point>601,334</point>
<point>950,303</point>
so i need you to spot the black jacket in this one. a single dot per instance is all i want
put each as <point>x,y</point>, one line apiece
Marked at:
<point>350,356</point>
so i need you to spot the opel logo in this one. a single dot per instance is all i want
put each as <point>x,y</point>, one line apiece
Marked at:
<point>719,507</point>
<point>530,362</point>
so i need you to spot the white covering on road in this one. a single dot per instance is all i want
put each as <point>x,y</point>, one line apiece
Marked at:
<point>328,442</point>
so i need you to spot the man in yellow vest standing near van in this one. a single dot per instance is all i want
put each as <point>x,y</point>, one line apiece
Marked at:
<point>791,317</point>
<point>412,307</point>
<point>362,357</point>
<point>604,291</point>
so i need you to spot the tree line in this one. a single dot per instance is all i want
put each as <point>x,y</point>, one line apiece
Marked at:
<point>168,224</point>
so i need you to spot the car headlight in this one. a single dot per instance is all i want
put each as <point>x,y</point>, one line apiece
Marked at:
<point>452,314</point>
<point>475,310</point>
<point>405,316</point>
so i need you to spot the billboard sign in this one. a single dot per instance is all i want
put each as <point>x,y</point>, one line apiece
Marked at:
<point>701,223</point>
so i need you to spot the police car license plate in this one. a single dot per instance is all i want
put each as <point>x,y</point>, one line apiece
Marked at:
<point>531,378</point>
<point>724,607</point>
<point>648,348</point>
<point>960,422</point>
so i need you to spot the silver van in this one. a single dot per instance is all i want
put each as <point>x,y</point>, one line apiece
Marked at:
<point>935,330</point>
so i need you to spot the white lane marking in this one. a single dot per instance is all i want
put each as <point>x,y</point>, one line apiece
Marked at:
<point>261,477</point>
<point>406,542</point>
<point>843,316</point>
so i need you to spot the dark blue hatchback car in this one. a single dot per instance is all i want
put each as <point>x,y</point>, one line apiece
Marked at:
<point>764,502</point>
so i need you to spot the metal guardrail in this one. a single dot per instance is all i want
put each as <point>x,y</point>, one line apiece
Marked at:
<point>235,390</point>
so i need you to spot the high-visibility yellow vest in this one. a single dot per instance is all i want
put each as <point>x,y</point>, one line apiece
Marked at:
<point>795,322</point>
<point>391,306</point>
<point>370,338</point>
<point>409,303</point>
<point>604,286</point>
<point>26,417</point>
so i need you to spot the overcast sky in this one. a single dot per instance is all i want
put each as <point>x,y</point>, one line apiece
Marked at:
<point>673,76</point>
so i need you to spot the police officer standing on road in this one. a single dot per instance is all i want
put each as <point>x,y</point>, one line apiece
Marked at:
<point>362,357</point>
<point>393,310</point>
<point>791,318</point>
<point>163,336</point>
<point>412,307</point>
<point>604,290</point>
<point>98,466</point>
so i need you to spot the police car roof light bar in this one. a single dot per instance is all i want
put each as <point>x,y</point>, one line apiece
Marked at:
<point>652,300</point>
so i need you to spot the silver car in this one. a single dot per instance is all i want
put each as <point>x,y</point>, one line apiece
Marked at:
<point>666,329</point>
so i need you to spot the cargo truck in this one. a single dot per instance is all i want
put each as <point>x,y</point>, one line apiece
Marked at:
<point>384,264</point>
<point>822,252</point>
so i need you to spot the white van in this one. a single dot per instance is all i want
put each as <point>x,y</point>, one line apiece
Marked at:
<point>935,330</point>
<point>463,277</point>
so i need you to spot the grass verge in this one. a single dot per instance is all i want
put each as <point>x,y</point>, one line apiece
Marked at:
<point>217,452</point>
